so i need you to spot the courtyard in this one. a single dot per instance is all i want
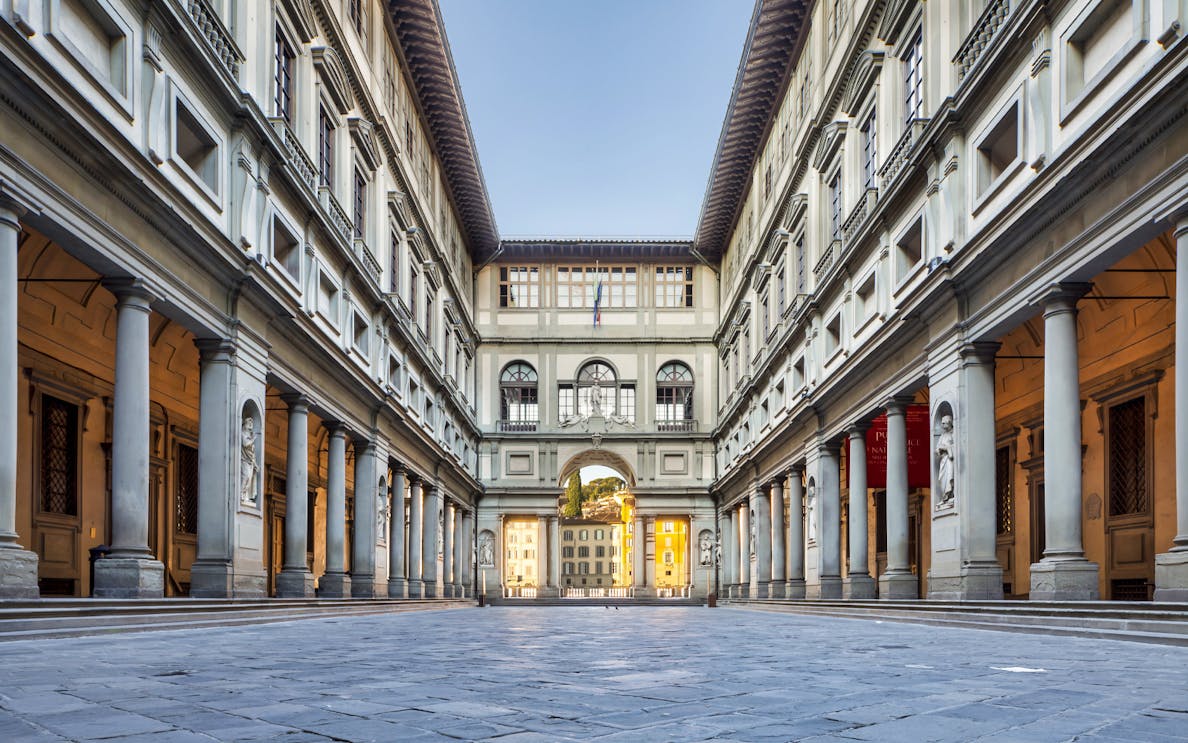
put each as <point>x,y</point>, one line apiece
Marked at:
<point>520,674</point>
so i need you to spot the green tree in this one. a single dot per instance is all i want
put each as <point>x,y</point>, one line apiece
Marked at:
<point>601,487</point>
<point>573,497</point>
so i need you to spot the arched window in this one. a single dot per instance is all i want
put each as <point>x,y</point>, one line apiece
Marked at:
<point>597,391</point>
<point>674,397</point>
<point>518,407</point>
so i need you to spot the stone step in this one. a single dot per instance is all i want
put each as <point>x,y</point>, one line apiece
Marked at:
<point>35,621</point>
<point>1092,620</point>
<point>554,601</point>
<point>1104,609</point>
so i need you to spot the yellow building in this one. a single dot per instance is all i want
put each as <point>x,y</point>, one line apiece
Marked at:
<point>672,547</point>
<point>520,565</point>
<point>627,534</point>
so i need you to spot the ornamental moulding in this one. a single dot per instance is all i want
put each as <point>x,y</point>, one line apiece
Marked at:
<point>863,77</point>
<point>329,66</point>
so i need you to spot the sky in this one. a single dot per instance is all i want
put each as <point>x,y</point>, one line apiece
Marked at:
<point>596,118</point>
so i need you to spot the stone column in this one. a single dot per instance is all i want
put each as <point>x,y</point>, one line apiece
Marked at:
<point>638,556</point>
<point>1063,574</point>
<point>858,583</point>
<point>465,549</point>
<point>898,582</point>
<point>731,549</point>
<point>761,529</point>
<point>777,530</point>
<point>745,550</point>
<point>295,579</point>
<point>447,551</point>
<point>796,533</point>
<point>416,523</point>
<point>335,583</point>
<point>829,522</point>
<point>18,566</point>
<point>430,519</point>
<point>554,556</point>
<point>397,570</point>
<point>131,570</point>
<point>981,574</point>
<point>212,574</point>
<point>1171,567</point>
<point>721,553</point>
<point>366,512</point>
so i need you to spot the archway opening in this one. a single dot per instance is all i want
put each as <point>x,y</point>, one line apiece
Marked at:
<point>596,521</point>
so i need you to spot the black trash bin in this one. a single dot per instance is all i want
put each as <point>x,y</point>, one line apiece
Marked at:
<point>97,553</point>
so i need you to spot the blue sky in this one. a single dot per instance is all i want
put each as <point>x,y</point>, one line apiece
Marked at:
<point>596,117</point>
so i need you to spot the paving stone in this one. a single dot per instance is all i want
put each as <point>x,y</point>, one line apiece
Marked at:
<point>537,675</point>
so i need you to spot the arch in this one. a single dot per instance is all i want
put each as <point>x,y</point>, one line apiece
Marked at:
<point>597,370</point>
<point>674,396</point>
<point>674,371</point>
<point>597,456</point>
<point>518,372</point>
<point>519,401</point>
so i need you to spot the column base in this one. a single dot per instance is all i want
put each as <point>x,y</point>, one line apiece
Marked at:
<point>644,592</point>
<point>860,586</point>
<point>796,588</point>
<point>977,582</point>
<point>416,588</point>
<point>367,587</point>
<point>429,590</point>
<point>214,579</point>
<point>334,586</point>
<point>249,586</point>
<point>778,590</point>
<point>129,578</point>
<point>397,588</point>
<point>295,584</point>
<point>1064,580</point>
<point>830,587</point>
<point>18,574</point>
<point>899,586</point>
<point>1171,576</point>
<point>766,590</point>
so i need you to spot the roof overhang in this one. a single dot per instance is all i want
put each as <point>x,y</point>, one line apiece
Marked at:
<point>589,249</point>
<point>777,33</point>
<point>420,31</point>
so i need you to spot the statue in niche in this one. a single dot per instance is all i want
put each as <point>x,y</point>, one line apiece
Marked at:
<point>440,532</point>
<point>383,513</point>
<point>248,470</point>
<point>718,549</point>
<point>945,454</point>
<point>706,548</point>
<point>810,504</point>
<point>486,551</point>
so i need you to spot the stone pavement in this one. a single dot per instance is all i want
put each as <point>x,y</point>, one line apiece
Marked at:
<point>648,674</point>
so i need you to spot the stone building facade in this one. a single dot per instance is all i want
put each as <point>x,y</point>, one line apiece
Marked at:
<point>260,334</point>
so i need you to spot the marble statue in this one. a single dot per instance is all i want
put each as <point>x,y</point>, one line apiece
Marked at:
<point>383,513</point>
<point>440,532</point>
<point>706,548</point>
<point>486,551</point>
<point>718,550</point>
<point>248,470</point>
<point>596,400</point>
<point>810,500</point>
<point>754,532</point>
<point>945,455</point>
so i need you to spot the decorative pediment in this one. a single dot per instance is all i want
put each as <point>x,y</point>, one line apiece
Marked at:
<point>333,74</point>
<point>759,275</point>
<point>895,17</point>
<point>433,273</point>
<point>831,140</point>
<point>301,15</point>
<point>794,210</point>
<point>398,206</point>
<point>862,78</point>
<point>775,245</point>
<point>366,141</point>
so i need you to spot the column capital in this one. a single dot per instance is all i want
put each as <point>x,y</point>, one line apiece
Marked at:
<point>858,429</point>
<point>130,292</point>
<point>399,468</point>
<point>829,447</point>
<point>217,350</point>
<point>364,442</point>
<point>296,401</point>
<point>1181,228</point>
<point>796,469</point>
<point>415,480</point>
<point>10,213</point>
<point>978,352</point>
<point>1057,298</point>
<point>777,484</point>
<point>897,404</point>
<point>337,429</point>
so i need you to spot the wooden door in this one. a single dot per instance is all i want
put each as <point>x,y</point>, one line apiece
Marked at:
<point>56,519</point>
<point>183,522</point>
<point>1130,528</point>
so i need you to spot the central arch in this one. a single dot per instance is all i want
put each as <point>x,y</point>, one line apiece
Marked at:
<point>593,457</point>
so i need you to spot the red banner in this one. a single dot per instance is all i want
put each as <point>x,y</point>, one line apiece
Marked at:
<point>918,438</point>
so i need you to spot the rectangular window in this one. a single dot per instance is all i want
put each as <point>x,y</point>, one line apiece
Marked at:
<point>627,402</point>
<point>765,312</point>
<point>1004,500</point>
<point>519,286</point>
<point>357,16</point>
<point>674,286</point>
<point>413,278</point>
<point>186,501</point>
<point>325,149</point>
<point>394,261</point>
<point>835,206</point>
<point>59,456</point>
<point>359,203</point>
<point>801,279</point>
<point>429,312</point>
<point>577,286</point>
<point>913,78</point>
<point>566,402</point>
<point>870,150</point>
<point>781,292</point>
<point>282,97</point>
<point>1128,458</point>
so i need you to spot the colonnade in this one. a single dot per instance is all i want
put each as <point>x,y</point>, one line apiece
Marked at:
<point>435,524</point>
